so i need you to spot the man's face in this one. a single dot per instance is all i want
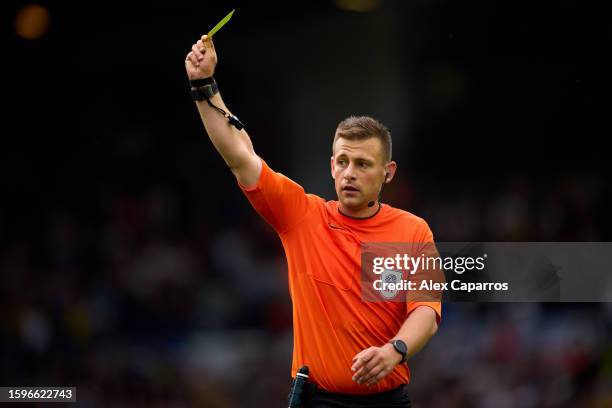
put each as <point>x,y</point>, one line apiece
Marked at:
<point>358,170</point>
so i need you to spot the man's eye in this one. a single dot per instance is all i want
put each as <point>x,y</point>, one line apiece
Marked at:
<point>363,164</point>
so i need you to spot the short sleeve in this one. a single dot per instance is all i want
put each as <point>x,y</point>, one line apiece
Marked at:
<point>436,306</point>
<point>424,236</point>
<point>279,200</point>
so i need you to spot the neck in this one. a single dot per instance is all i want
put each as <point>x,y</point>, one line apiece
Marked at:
<point>364,212</point>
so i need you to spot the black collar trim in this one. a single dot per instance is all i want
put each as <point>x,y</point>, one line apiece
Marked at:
<point>361,218</point>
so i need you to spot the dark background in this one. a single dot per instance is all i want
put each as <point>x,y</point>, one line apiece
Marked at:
<point>132,266</point>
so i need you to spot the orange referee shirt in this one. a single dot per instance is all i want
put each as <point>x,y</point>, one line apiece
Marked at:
<point>331,323</point>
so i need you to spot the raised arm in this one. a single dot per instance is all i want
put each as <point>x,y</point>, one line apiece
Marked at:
<point>234,145</point>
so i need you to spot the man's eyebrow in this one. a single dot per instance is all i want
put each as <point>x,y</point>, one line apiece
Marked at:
<point>357,158</point>
<point>365,159</point>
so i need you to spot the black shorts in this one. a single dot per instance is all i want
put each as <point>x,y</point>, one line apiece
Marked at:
<point>395,398</point>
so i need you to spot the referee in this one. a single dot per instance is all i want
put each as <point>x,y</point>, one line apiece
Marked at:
<point>356,351</point>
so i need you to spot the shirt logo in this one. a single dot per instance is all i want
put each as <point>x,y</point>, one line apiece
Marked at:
<point>388,277</point>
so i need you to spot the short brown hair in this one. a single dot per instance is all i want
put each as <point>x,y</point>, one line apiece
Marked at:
<point>365,127</point>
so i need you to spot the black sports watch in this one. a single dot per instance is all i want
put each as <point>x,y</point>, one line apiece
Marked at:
<point>401,348</point>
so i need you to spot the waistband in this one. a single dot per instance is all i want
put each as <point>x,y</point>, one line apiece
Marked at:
<point>393,395</point>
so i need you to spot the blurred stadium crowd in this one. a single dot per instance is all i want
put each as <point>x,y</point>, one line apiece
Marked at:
<point>145,300</point>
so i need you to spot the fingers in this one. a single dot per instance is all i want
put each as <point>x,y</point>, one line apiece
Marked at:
<point>198,50</point>
<point>371,365</point>
<point>367,368</point>
<point>372,372</point>
<point>192,59</point>
<point>201,46</point>
<point>376,374</point>
<point>208,40</point>
<point>361,358</point>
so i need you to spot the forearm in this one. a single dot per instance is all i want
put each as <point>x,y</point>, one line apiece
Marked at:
<point>232,144</point>
<point>418,328</point>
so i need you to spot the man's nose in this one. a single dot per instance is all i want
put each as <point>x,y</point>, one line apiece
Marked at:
<point>349,173</point>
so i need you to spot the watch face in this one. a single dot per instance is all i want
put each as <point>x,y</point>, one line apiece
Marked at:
<point>400,346</point>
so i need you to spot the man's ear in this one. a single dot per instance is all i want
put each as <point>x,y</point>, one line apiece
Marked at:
<point>390,169</point>
<point>332,167</point>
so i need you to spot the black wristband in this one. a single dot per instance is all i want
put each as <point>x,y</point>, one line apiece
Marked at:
<point>202,89</point>
<point>196,83</point>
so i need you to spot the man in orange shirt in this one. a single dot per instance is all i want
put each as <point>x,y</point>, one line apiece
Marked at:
<point>355,350</point>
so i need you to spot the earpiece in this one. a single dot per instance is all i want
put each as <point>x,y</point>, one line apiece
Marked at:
<point>382,188</point>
